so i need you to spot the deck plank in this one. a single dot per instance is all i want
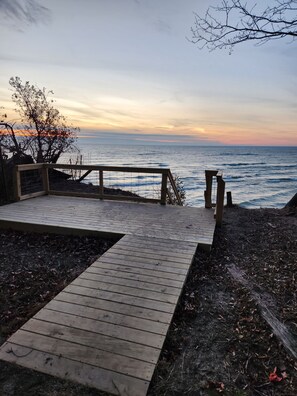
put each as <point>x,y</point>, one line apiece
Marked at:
<point>130,291</point>
<point>85,311</point>
<point>137,284</point>
<point>65,368</point>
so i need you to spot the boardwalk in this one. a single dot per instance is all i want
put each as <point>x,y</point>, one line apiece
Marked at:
<point>62,214</point>
<point>106,329</point>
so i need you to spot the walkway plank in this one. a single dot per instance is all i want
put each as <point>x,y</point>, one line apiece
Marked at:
<point>136,284</point>
<point>90,355</point>
<point>85,311</point>
<point>107,328</point>
<point>130,291</point>
<point>86,374</point>
<point>129,310</point>
<point>121,298</point>
<point>134,276</point>
<point>92,338</point>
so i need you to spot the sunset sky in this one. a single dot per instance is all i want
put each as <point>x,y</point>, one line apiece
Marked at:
<point>124,71</point>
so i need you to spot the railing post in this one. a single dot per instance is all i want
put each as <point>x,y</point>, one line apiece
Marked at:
<point>45,179</point>
<point>101,184</point>
<point>17,183</point>
<point>164,187</point>
<point>207,193</point>
<point>220,200</point>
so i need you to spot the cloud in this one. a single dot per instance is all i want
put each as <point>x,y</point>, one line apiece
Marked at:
<point>26,11</point>
<point>139,138</point>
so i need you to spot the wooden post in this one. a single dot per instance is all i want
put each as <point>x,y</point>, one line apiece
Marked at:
<point>220,200</point>
<point>17,183</point>
<point>2,164</point>
<point>45,179</point>
<point>229,199</point>
<point>164,187</point>
<point>101,184</point>
<point>207,193</point>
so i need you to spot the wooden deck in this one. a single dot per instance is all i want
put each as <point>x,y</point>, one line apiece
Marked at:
<point>68,214</point>
<point>106,329</point>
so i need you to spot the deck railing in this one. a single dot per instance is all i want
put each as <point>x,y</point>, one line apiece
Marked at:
<point>219,194</point>
<point>33,180</point>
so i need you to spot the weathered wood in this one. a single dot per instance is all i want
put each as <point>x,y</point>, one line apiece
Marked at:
<point>101,195</point>
<point>32,195</point>
<point>101,184</point>
<point>104,315</point>
<point>89,355</point>
<point>164,188</point>
<point>136,284</point>
<point>229,199</point>
<point>99,327</point>
<point>17,184</point>
<point>121,298</point>
<point>109,168</point>
<point>127,290</point>
<point>86,337</point>
<point>86,374</point>
<point>134,252</point>
<point>209,174</point>
<point>113,306</point>
<point>45,180</point>
<point>146,249</point>
<point>110,323</point>
<point>164,269</point>
<point>138,277</point>
<point>220,200</point>
<point>26,167</point>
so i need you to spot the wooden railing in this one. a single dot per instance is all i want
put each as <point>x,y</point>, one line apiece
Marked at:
<point>219,195</point>
<point>44,187</point>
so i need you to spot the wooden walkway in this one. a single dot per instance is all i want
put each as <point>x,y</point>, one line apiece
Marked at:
<point>106,329</point>
<point>68,214</point>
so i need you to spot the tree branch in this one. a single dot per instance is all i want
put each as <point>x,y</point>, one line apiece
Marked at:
<point>232,23</point>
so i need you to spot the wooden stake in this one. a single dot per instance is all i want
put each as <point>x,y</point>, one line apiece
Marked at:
<point>229,199</point>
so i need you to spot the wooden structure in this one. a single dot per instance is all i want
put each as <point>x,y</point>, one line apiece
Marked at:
<point>220,194</point>
<point>106,329</point>
<point>166,181</point>
<point>167,187</point>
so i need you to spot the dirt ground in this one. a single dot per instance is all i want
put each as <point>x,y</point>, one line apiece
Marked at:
<point>235,323</point>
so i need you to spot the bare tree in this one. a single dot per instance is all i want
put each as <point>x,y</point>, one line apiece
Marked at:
<point>234,22</point>
<point>43,132</point>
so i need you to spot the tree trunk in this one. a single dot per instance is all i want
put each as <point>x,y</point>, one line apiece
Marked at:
<point>292,203</point>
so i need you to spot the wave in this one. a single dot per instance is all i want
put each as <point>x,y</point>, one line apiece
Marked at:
<point>237,154</point>
<point>147,154</point>
<point>281,180</point>
<point>230,178</point>
<point>245,164</point>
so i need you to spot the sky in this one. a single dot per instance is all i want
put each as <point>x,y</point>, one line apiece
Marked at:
<point>125,71</point>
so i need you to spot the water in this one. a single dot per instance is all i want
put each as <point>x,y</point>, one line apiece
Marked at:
<point>257,176</point>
